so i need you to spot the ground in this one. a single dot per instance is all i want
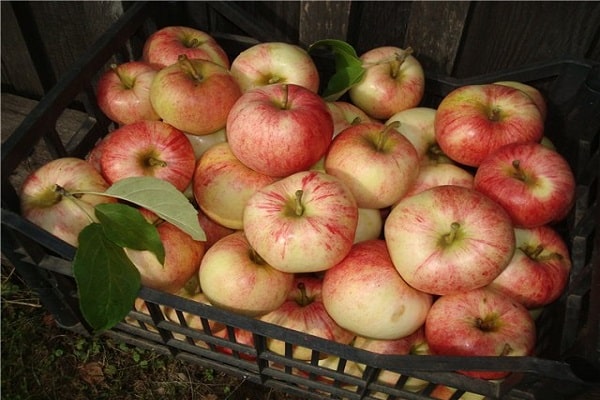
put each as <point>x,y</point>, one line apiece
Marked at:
<point>43,361</point>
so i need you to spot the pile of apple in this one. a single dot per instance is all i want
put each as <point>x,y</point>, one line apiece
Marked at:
<point>369,221</point>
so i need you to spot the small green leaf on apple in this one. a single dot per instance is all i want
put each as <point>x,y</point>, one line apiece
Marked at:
<point>107,281</point>
<point>163,199</point>
<point>126,227</point>
<point>348,68</point>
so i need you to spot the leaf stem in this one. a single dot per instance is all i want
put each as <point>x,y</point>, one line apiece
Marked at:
<point>74,197</point>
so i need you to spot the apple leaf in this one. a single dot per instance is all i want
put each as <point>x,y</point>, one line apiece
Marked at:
<point>163,199</point>
<point>126,227</point>
<point>348,68</point>
<point>107,281</point>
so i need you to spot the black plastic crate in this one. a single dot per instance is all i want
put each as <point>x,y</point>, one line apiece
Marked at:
<point>567,360</point>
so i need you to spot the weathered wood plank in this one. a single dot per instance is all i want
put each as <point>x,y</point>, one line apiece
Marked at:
<point>18,73</point>
<point>434,32</point>
<point>504,35</point>
<point>323,20</point>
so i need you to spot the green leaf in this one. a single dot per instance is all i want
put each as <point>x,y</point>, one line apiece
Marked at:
<point>348,68</point>
<point>126,227</point>
<point>162,198</point>
<point>107,281</point>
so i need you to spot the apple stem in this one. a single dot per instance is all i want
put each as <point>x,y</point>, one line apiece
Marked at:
<point>126,81</point>
<point>299,207</point>
<point>304,299</point>
<point>285,97</point>
<point>487,324</point>
<point>450,236</point>
<point>535,253</point>
<point>494,114</point>
<point>62,192</point>
<point>518,172</point>
<point>193,43</point>
<point>155,162</point>
<point>384,134</point>
<point>399,60</point>
<point>188,67</point>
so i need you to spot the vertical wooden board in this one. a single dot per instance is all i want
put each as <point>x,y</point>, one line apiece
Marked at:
<point>503,35</point>
<point>68,29</point>
<point>434,32</point>
<point>264,21</point>
<point>18,74</point>
<point>323,20</point>
<point>378,23</point>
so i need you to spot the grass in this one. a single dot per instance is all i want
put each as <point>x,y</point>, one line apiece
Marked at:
<point>40,360</point>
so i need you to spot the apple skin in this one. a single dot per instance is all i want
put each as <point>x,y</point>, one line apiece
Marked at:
<point>123,92</point>
<point>472,121</point>
<point>417,125</point>
<point>182,258</point>
<point>365,294</point>
<point>194,95</point>
<point>414,344</point>
<point>201,143</point>
<point>164,47</point>
<point>370,225</point>
<point>375,161</point>
<point>148,148</point>
<point>279,129</point>
<point>275,62</point>
<point>313,241</point>
<point>63,216</point>
<point>534,93</point>
<point>213,230</point>
<point>449,239</point>
<point>431,175</point>
<point>233,277</point>
<point>346,114</point>
<point>480,322</point>
<point>533,183</point>
<point>304,311</point>
<point>387,86</point>
<point>539,270</point>
<point>222,185</point>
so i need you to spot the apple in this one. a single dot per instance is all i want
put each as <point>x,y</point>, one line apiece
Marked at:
<point>190,320</point>
<point>449,239</point>
<point>414,344</point>
<point>480,322</point>
<point>201,143</point>
<point>275,62</point>
<point>164,47</point>
<point>148,148</point>
<point>123,92</point>
<point>305,312</point>
<point>431,175</point>
<point>305,222</point>
<point>417,125</point>
<point>234,277</point>
<point>533,183</point>
<point>472,121</point>
<point>213,230</point>
<point>394,81</point>
<point>194,95</point>
<point>182,258</point>
<point>279,129</point>
<point>95,154</point>
<point>49,199</point>
<point>534,93</point>
<point>539,270</point>
<point>370,224</point>
<point>238,336</point>
<point>345,114</point>
<point>365,294</point>
<point>222,185</point>
<point>375,161</point>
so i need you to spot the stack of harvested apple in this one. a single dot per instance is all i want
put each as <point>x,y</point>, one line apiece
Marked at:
<point>370,221</point>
